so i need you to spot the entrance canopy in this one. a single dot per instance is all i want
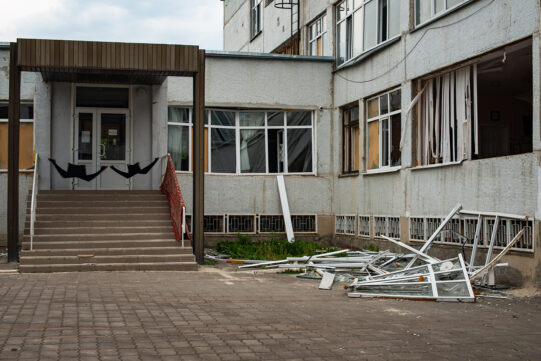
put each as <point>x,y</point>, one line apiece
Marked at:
<point>104,62</point>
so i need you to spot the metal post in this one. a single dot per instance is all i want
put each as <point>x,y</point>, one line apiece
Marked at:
<point>199,158</point>
<point>13,154</point>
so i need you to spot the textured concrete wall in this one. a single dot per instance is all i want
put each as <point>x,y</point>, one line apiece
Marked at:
<point>25,185</point>
<point>265,84</point>
<point>27,79</point>
<point>61,132</point>
<point>142,128</point>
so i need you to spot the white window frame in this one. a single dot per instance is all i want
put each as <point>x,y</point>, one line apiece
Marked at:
<point>321,24</point>
<point>359,5</point>
<point>433,14</point>
<point>379,118</point>
<point>237,127</point>
<point>257,17</point>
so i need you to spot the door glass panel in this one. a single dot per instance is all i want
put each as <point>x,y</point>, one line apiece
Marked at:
<point>113,137</point>
<point>85,136</point>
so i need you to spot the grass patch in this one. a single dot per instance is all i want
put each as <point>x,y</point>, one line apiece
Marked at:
<point>272,250</point>
<point>209,263</point>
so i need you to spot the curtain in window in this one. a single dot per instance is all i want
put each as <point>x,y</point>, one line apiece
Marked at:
<point>178,146</point>
<point>252,151</point>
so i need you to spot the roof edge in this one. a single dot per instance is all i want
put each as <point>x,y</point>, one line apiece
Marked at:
<point>269,56</point>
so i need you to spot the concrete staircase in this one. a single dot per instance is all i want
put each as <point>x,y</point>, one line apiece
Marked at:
<point>103,231</point>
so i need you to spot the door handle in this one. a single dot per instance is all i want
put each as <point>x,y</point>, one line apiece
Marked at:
<point>101,153</point>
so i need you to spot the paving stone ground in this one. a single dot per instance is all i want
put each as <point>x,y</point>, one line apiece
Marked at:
<point>223,314</point>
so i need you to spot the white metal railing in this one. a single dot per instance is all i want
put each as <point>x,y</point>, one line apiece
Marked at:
<point>33,202</point>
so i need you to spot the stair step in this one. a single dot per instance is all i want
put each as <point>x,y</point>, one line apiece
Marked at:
<point>99,223</point>
<point>168,266</point>
<point>104,217</point>
<point>83,259</point>
<point>103,230</point>
<point>100,203</point>
<point>97,197</point>
<point>134,251</point>
<point>101,210</point>
<point>99,192</point>
<point>69,244</point>
<point>101,237</point>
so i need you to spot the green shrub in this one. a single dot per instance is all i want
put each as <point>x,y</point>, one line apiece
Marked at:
<point>273,249</point>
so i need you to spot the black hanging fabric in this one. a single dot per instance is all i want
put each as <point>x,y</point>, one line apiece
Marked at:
<point>76,171</point>
<point>134,169</point>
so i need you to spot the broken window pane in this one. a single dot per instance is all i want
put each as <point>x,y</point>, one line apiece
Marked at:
<point>252,151</point>
<point>395,139</point>
<point>299,150</point>
<point>385,142</point>
<point>223,155</point>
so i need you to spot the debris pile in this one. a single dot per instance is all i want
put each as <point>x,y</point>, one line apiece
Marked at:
<point>413,274</point>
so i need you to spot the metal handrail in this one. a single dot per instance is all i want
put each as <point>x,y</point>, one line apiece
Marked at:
<point>33,202</point>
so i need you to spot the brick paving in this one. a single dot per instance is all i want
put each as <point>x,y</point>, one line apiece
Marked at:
<point>222,314</point>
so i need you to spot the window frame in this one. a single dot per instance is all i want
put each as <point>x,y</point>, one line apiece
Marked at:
<point>348,164</point>
<point>322,22</point>
<point>379,119</point>
<point>237,127</point>
<point>256,8</point>
<point>21,120</point>
<point>433,15</point>
<point>350,42</point>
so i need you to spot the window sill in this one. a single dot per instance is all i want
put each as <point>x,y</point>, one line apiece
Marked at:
<point>438,165</point>
<point>383,170</point>
<point>350,174</point>
<point>21,171</point>
<point>440,16</point>
<point>368,53</point>
<point>256,35</point>
<point>180,172</point>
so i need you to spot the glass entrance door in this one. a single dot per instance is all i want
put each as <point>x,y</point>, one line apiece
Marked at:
<point>113,148</point>
<point>102,139</point>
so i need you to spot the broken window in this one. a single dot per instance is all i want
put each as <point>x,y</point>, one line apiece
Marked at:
<point>350,140</point>
<point>318,31</point>
<point>363,24</point>
<point>477,111</point>
<point>245,142</point>
<point>256,17</point>
<point>427,9</point>
<point>384,126</point>
<point>26,136</point>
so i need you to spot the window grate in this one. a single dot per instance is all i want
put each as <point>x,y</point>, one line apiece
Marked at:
<point>450,237</point>
<point>271,224</point>
<point>344,224</point>
<point>364,226</point>
<point>240,223</point>
<point>304,223</point>
<point>213,224</point>
<point>417,228</point>
<point>380,226</point>
<point>393,227</point>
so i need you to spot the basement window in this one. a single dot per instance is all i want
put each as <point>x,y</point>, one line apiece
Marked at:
<point>477,111</point>
<point>26,136</point>
<point>384,124</point>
